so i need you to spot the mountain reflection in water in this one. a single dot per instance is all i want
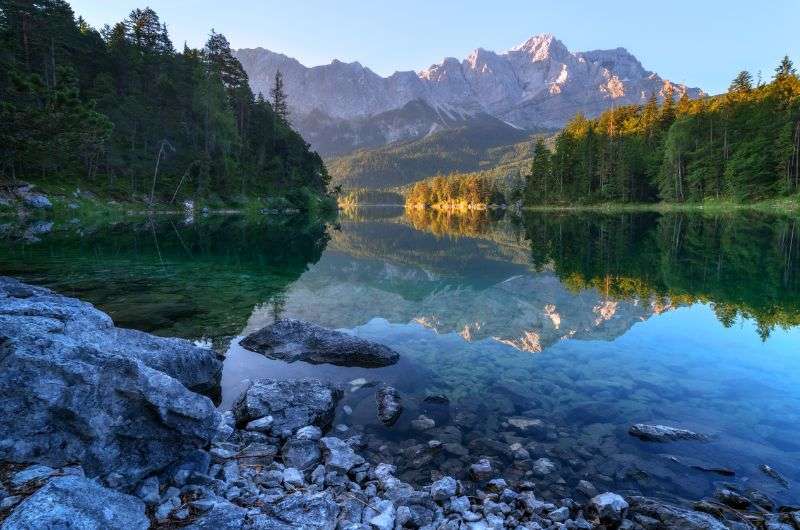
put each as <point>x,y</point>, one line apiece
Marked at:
<point>586,322</point>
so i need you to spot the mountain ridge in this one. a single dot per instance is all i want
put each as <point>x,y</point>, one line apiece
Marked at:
<point>537,84</point>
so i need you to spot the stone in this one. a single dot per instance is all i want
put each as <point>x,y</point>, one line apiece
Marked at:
<point>304,454</point>
<point>586,488</point>
<point>291,403</point>
<point>774,475</point>
<point>217,514</point>
<point>732,498</point>
<point>386,516</point>
<point>296,340</point>
<point>148,491</point>
<point>77,502</point>
<point>481,470</point>
<point>309,432</point>
<point>75,389</point>
<point>526,425</point>
<point>301,510</point>
<point>29,475</point>
<point>460,505</point>
<point>663,433</point>
<point>444,488</point>
<point>423,423</point>
<point>338,455</point>
<point>652,514</point>
<point>389,403</point>
<point>37,201</point>
<point>560,515</point>
<point>261,424</point>
<point>607,508</point>
<point>293,477</point>
<point>543,467</point>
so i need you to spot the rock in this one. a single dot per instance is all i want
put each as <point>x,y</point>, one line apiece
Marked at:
<point>543,467</point>
<point>295,340</point>
<point>436,399</point>
<point>444,488</point>
<point>293,477</point>
<point>29,475</point>
<point>338,455</point>
<point>77,502</point>
<point>261,424</point>
<point>423,423</point>
<point>586,488</point>
<point>386,516</point>
<point>217,514</point>
<point>526,425</point>
<point>309,432</point>
<point>148,491</point>
<point>482,470</point>
<point>74,389</point>
<point>774,475</point>
<point>732,499</point>
<point>304,454</point>
<point>608,509</point>
<point>292,404</point>
<point>37,201</point>
<point>390,405</point>
<point>560,515</point>
<point>301,510</point>
<point>656,515</point>
<point>663,433</point>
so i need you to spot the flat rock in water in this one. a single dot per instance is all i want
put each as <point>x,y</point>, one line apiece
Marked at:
<point>291,403</point>
<point>296,340</point>
<point>76,502</point>
<point>663,433</point>
<point>71,392</point>
<point>659,515</point>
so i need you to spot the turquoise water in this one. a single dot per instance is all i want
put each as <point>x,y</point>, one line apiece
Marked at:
<point>588,323</point>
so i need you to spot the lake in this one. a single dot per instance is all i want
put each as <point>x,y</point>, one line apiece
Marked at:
<point>541,339</point>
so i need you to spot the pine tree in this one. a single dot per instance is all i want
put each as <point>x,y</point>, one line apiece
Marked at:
<point>279,98</point>
<point>785,69</point>
<point>743,83</point>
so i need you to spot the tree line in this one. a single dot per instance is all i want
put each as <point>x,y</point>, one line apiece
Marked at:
<point>742,145</point>
<point>456,191</point>
<point>120,111</point>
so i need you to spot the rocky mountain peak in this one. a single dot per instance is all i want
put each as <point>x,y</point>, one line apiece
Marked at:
<point>542,47</point>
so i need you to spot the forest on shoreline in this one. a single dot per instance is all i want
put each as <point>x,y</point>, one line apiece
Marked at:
<point>119,112</point>
<point>741,146</point>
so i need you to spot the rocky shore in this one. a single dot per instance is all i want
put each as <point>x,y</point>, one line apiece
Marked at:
<point>104,428</point>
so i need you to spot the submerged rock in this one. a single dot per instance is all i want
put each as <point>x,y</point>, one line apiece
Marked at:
<point>663,433</point>
<point>656,515</point>
<point>296,340</point>
<point>390,405</point>
<point>607,508</point>
<point>71,394</point>
<point>292,404</point>
<point>774,475</point>
<point>77,502</point>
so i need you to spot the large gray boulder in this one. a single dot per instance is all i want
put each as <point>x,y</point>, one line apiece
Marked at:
<point>78,323</point>
<point>67,400</point>
<point>291,403</point>
<point>80,503</point>
<point>296,340</point>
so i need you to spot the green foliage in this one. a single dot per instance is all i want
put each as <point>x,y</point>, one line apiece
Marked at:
<point>739,146</point>
<point>120,110</point>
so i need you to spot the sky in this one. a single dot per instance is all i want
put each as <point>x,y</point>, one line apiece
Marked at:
<point>702,43</point>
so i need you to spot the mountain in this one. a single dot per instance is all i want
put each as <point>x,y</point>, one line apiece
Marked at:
<point>539,84</point>
<point>476,143</point>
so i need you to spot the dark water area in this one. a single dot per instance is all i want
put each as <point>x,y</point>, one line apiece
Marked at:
<point>548,335</point>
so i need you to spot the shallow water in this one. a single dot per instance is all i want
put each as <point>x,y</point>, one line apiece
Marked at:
<point>588,323</point>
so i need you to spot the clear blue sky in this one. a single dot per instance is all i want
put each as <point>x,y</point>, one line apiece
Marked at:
<point>700,42</point>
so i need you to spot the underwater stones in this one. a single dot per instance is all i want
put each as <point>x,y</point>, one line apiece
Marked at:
<point>296,340</point>
<point>543,467</point>
<point>774,475</point>
<point>77,502</point>
<point>291,403</point>
<point>389,404</point>
<point>732,498</point>
<point>423,423</point>
<point>481,470</point>
<point>526,425</point>
<point>652,514</point>
<point>301,453</point>
<point>663,433</point>
<point>607,508</point>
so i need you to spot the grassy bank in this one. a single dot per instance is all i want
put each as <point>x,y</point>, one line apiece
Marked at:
<point>785,205</point>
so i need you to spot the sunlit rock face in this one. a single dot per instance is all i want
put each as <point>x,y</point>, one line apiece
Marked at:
<point>540,83</point>
<point>529,311</point>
